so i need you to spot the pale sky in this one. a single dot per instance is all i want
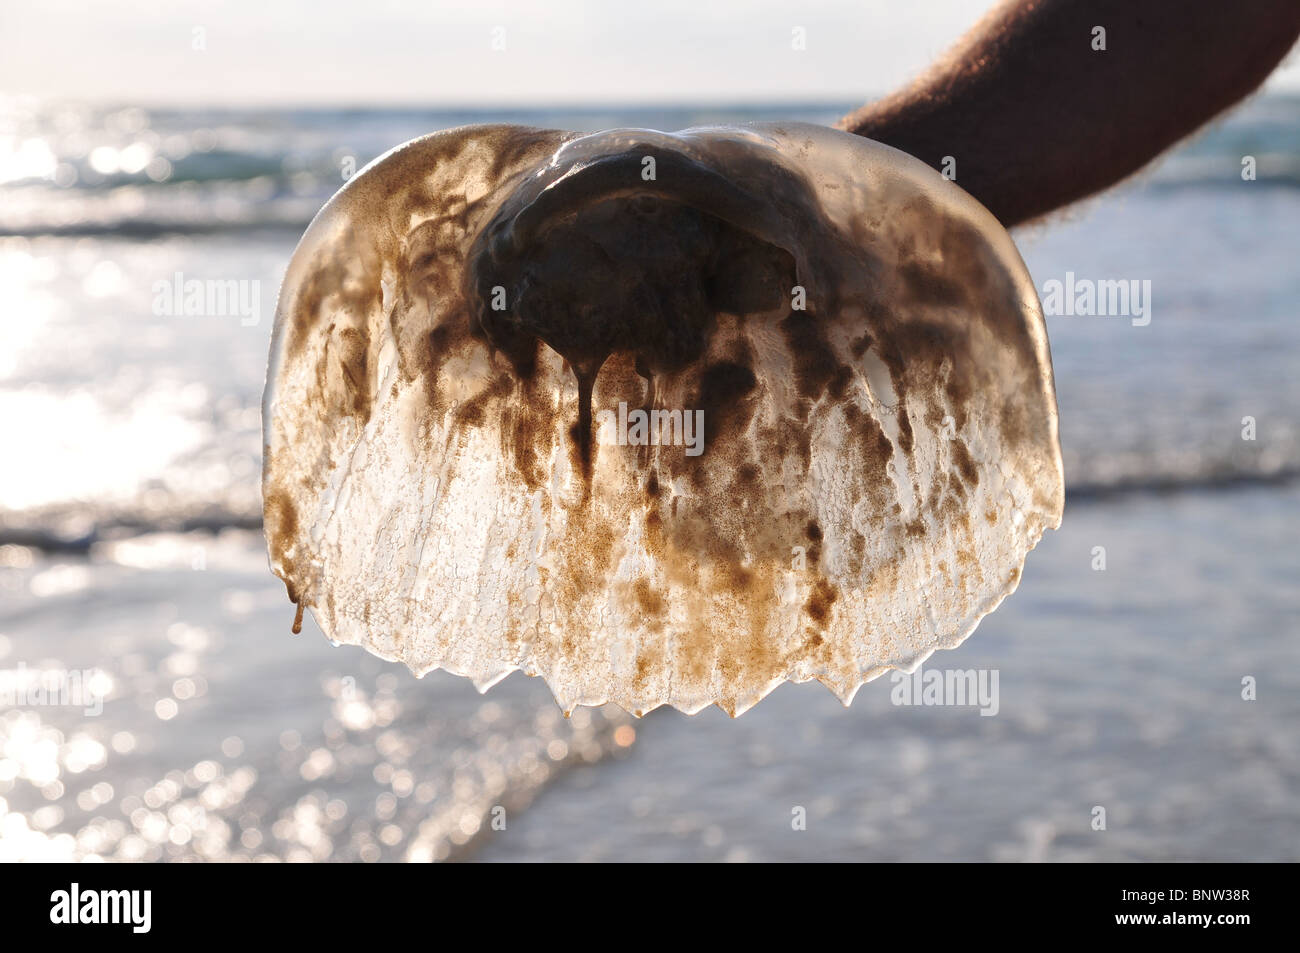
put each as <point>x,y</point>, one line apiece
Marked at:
<point>331,52</point>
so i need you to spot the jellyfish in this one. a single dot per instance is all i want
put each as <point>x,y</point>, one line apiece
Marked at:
<point>664,419</point>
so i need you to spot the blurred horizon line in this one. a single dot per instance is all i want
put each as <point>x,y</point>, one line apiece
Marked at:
<point>846,103</point>
<point>9,100</point>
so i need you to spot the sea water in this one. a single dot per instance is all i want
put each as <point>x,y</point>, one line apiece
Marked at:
<point>1147,667</point>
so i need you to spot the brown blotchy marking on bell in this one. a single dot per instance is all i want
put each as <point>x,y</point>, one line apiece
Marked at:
<point>904,429</point>
<point>695,650</point>
<point>354,360</point>
<point>858,546</point>
<point>945,502</point>
<point>760,656</point>
<point>965,465</point>
<point>306,307</point>
<point>958,391</point>
<point>527,429</point>
<point>817,369</point>
<point>1017,423</point>
<point>991,517</point>
<point>650,601</point>
<point>972,263</point>
<point>813,531</point>
<point>644,667</point>
<point>449,338</point>
<point>819,603</point>
<point>589,566</point>
<point>872,449</point>
<point>884,576</point>
<point>915,529</point>
<point>334,272</point>
<point>861,345</point>
<point>789,438</point>
<point>950,509</point>
<point>652,486</point>
<point>1015,574</point>
<point>922,344</point>
<point>282,534</point>
<point>350,278</point>
<point>435,290</point>
<point>511,145</point>
<point>965,266</point>
<point>840,381</point>
<point>431,256</point>
<point>928,286</point>
<point>815,646</point>
<point>724,387</point>
<point>737,577</point>
<point>405,177</point>
<point>524,435</point>
<point>473,411</point>
<point>955,486</point>
<point>744,651</point>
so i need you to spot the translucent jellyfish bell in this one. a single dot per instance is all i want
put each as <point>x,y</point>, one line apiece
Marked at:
<point>665,419</point>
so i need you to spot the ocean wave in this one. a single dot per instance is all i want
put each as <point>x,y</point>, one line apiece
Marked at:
<point>71,170</point>
<point>1086,490</point>
<point>136,211</point>
<point>1226,170</point>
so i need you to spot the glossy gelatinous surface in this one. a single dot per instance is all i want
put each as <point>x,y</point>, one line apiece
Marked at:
<point>665,419</point>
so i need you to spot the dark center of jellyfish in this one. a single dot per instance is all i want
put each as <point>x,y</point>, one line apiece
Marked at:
<point>642,275</point>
